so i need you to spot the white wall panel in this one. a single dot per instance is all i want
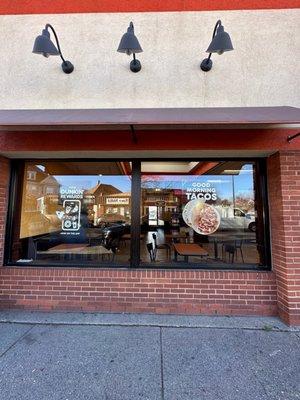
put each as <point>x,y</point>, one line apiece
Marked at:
<point>263,70</point>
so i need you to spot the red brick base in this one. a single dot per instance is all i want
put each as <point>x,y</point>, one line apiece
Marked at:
<point>284,198</point>
<point>152,291</point>
<point>289,318</point>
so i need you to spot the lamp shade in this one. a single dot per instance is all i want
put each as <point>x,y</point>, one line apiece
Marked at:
<point>129,43</point>
<point>43,45</point>
<point>221,42</point>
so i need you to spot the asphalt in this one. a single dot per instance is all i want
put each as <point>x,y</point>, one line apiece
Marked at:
<point>70,356</point>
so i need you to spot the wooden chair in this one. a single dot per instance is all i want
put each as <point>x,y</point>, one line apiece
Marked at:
<point>162,246</point>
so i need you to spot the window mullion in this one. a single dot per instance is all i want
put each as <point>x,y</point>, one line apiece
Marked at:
<point>135,214</point>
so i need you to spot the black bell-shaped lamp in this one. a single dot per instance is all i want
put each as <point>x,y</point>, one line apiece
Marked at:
<point>44,45</point>
<point>220,43</point>
<point>129,44</point>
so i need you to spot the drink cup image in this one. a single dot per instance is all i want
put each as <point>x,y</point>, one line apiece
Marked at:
<point>68,209</point>
<point>71,218</point>
<point>71,207</point>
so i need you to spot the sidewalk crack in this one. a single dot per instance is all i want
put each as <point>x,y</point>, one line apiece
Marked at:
<point>16,341</point>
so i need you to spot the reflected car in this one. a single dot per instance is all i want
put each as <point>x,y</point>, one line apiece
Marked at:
<point>240,220</point>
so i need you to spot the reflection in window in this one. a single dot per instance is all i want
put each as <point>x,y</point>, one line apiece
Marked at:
<point>74,212</point>
<point>200,213</point>
<point>206,213</point>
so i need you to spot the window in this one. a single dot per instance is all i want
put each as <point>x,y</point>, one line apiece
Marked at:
<point>178,214</point>
<point>31,175</point>
<point>76,212</point>
<point>202,213</point>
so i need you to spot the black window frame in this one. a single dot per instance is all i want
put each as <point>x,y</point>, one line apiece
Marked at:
<point>15,197</point>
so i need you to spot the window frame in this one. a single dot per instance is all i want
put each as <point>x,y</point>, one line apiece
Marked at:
<point>15,197</point>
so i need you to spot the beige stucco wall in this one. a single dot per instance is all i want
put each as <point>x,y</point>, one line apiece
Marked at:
<point>263,70</point>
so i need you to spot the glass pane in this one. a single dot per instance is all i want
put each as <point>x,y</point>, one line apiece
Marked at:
<point>74,212</point>
<point>201,213</point>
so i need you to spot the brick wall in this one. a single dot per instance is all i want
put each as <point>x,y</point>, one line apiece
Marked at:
<point>158,291</point>
<point>284,199</point>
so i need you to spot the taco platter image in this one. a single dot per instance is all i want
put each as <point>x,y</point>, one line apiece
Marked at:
<point>202,217</point>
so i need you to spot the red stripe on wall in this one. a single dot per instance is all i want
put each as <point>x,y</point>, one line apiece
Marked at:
<point>248,139</point>
<point>89,6</point>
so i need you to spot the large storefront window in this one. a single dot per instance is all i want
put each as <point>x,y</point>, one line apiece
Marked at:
<point>205,213</point>
<point>74,212</point>
<point>178,214</point>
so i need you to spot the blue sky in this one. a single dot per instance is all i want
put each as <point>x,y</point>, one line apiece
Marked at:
<point>121,182</point>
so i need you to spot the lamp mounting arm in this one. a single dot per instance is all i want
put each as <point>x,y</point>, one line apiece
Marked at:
<point>218,23</point>
<point>292,137</point>
<point>57,41</point>
<point>207,63</point>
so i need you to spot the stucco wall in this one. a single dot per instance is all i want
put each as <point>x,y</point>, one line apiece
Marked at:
<point>263,70</point>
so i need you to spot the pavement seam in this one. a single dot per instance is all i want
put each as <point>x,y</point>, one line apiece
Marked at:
<point>161,365</point>
<point>275,329</point>
<point>16,341</point>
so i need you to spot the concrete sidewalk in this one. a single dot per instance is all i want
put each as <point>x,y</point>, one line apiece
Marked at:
<point>70,356</point>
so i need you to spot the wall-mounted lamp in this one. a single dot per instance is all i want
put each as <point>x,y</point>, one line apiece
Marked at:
<point>220,43</point>
<point>129,44</point>
<point>44,45</point>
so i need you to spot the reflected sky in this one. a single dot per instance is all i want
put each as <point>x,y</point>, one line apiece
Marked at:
<point>225,185</point>
<point>87,182</point>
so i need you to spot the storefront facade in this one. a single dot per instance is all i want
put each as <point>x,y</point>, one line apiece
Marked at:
<point>180,194</point>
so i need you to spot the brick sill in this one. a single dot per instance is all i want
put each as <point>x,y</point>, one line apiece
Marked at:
<point>143,267</point>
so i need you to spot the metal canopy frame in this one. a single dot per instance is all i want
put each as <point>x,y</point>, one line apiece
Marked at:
<point>148,118</point>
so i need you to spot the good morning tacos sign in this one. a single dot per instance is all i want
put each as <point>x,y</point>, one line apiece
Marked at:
<point>202,217</point>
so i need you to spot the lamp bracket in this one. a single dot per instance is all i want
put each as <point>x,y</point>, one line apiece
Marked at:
<point>135,65</point>
<point>206,64</point>
<point>67,67</point>
<point>292,137</point>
